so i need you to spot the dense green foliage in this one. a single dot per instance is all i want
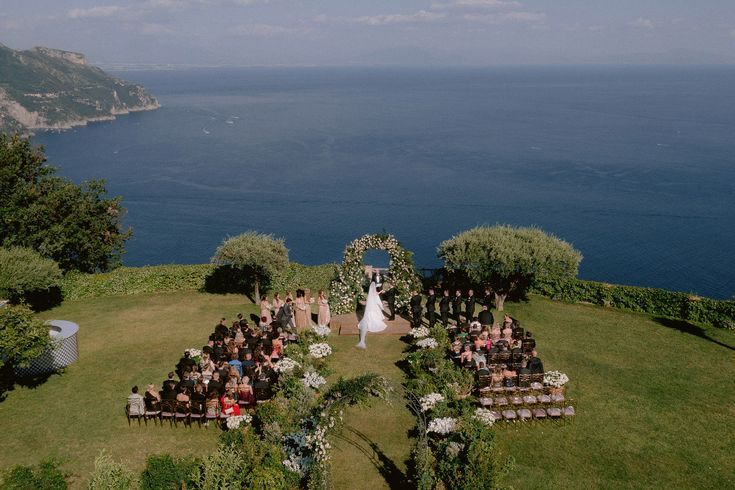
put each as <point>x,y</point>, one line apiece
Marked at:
<point>653,301</point>
<point>257,256</point>
<point>109,474</point>
<point>25,275</point>
<point>509,259</point>
<point>23,336</point>
<point>46,475</point>
<point>62,89</point>
<point>76,225</point>
<point>165,472</point>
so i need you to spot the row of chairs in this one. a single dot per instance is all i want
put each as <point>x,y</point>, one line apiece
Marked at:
<point>527,401</point>
<point>534,414</point>
<point>177,412</point>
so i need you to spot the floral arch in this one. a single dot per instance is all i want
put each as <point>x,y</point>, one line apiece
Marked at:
<point>347,286</point>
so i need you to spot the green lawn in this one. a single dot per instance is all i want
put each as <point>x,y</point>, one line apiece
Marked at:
<point>655,400</point>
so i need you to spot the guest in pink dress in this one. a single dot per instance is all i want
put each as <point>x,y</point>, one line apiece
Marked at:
<point>265,309</point>
<point>325,315</point>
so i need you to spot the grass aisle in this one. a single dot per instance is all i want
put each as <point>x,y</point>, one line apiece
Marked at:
<point>373,447</point>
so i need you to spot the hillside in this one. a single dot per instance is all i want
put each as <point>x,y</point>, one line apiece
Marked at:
<point>44,88</point>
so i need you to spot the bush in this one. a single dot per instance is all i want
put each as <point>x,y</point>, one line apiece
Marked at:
<point>109,474</point>
<point>164,472</point>
<point>45,475</point>
<point>23,337</point>
<point>222,469</point>
<point>653,301</point>
<point>25,276</point>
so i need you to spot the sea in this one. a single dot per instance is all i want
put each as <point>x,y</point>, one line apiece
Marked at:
<point>635,166</point>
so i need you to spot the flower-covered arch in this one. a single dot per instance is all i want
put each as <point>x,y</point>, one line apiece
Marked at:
<point>347,286</point>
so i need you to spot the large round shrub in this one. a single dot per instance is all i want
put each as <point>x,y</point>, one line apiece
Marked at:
<point>23,336</point>
<point>27,276</point>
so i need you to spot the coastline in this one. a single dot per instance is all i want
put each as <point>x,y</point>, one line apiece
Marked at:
<point>74,123</point>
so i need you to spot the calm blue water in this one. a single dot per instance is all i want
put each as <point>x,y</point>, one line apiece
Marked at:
<point>634,166</point>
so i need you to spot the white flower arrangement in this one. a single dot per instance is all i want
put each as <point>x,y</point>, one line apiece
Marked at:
<point>312,379</point>
<point>321,330</point>
<point>428,343</point>
<point>194,352</point>
<point>285,365</point>
<point>320,350</point>
<point>442,426</point>
<point>429,401</point>
<point>419,333</point>
<point>555,379</point>
<point>485,416</point>
<point>236,421</point>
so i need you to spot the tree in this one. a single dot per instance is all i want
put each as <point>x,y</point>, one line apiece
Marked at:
<point>509,259</point>
<point>76,225</point>
<point>23,337</point>
<point>25,275</point>
<point>255,254</point>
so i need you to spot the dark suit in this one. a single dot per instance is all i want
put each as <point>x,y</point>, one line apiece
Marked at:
<point>469,307</point>
<point>444,310</point>
<point>488,300</point>
<point>390,297</point>
<point>431,309</point>
<point>535,365</point>
<point>416,310</point>
<point>485,317</point>
<point>456,308</point>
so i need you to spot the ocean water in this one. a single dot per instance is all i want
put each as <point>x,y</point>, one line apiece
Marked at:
<point>633,165</point>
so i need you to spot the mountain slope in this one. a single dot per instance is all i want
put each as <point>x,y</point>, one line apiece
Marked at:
<point>44,88</point>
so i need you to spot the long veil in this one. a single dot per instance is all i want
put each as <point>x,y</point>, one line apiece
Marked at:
<point>373,319</point>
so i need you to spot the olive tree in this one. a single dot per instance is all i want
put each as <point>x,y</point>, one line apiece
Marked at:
<point>256,255</point>
<point>509,259</point>
<point>23,336</point>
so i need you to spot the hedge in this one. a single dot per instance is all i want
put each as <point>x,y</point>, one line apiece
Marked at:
<point>672,304</point>
<point>171,278</point>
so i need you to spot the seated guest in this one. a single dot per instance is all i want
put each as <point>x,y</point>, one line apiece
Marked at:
<point>218,351</point>
<point>479,343</point>
<point>198,399</point>
<point>187,381</point>
<point>485,317</point>
<point>517,330</point>
<point>207,369</point>
<point>152,398</point>
<point>184,364</point>
<point>245,391</point>
<point>534,364</point>
<point>507,333</point>
<point>524,368</point>
<point>495,333</point>
<point>215,384</point>
<point>239,337</point>
<point>183,398</point>
<point>170,387</point>
<point>482,369</point>
<point>478,357</point>
<point>529,343</point>
<point>229,404</point>
<point>509,376</point>
<point>497,376</point>
<point>507,321</point>
<point>515,347</point>
<point>456,354</point>
<point>235,363</point>
<point>213,405</point>
<point>223,369</point>
<point>466,356</point>
<point>136,402</point>
<point>503,344</point>
<point>494,348</point>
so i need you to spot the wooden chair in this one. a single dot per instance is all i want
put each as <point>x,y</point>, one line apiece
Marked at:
<point>182,414</point>
<point>168,411</point>
<point>484,381</point>
<point>132,416</point>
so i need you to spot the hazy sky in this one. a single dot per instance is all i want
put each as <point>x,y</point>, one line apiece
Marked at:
<point>411,32</point>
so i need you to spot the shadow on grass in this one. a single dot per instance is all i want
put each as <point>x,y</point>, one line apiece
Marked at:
<point>390,472</point>
<point>8,380</point>
<point>686,327</point>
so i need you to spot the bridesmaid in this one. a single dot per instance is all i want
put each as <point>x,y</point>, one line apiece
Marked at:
<point>277,303</point>
<point>265,309</point>
<point>303,310</point>
<point>324,314</point>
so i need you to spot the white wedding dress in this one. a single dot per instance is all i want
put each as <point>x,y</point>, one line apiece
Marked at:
<point>373,319</point>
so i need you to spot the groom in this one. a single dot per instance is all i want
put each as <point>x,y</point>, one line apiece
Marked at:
<point>389,295</point>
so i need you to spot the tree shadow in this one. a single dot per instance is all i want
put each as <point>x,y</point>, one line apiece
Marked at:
<point>393,476</point>
<point>689,328</point>
<point>8,380</point>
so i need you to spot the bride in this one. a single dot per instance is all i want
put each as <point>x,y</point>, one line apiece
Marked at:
<point>372,320</point>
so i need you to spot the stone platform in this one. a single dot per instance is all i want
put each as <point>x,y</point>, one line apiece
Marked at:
<point>347,325</point>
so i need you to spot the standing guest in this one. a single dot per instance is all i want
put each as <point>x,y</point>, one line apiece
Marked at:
<point>431,308</point>
<point>488,299</point>
<point>325,315</point>
<point>277,303</point>
<point>534,363</point>
<point>302,310</point>
<point>152,398</point>
<point>457,305</point>
<point>507,333</point>
<point>485,317</point>
<point>265,309</point>
<point>469,305</point>
<point>416,309</point>
<point>389,295</point>
<point>444,308</point>
<point>136,403</point>
<point>221,330</point>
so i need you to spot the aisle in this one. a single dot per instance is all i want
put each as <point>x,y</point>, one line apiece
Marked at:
<point>372,450</point>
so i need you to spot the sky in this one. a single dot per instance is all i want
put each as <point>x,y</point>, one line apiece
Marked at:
<point>394,32</point>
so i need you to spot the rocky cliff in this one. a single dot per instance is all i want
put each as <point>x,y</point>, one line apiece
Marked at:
<point>44,88</point>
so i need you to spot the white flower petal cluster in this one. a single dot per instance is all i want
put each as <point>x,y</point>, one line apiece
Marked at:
<point>312,379</point>
<point>308,446</point>
<point>428,343</point>
<point>419,333</point>
<point>556,379</point>
<point>285,365</point>
<point>485,416</point>
<point>194,352</point>
<point>443,426</point>
<point>454,448</point>
<point>429,401</point>
<point>321,330</point>
<point>320,350</point>
<point>236,421</point>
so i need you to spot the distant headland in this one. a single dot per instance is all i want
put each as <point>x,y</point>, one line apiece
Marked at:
<point>44,88</point>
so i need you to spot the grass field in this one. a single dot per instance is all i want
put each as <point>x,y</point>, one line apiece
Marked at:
<point>654,397</point>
